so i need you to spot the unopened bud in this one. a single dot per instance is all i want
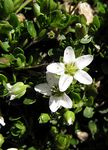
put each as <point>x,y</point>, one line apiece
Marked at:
<point>44,118</point>
<point>1,140</point>
<point>86,10</point>
<point>83,136</point>
<point>21,17</point>
<point>69,117</point>
<point>17,90</point>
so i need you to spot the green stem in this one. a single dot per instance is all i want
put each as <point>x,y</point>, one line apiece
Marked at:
<point>23,5</point>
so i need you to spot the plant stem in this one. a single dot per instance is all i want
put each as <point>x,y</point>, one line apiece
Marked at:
<point>23,5</point>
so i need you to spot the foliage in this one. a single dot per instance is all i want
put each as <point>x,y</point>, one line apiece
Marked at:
<point>33,34</point>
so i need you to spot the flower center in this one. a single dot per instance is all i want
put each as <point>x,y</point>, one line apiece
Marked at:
<point>70,69</point>
<point>55,91</point>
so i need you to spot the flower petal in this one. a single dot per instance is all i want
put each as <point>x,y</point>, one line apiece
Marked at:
<point>9,86</point>
<point>43,89</point>
<point>83,61</point>
<point>64,82</point>
<point>54,103</point>
<point>83,77</point>
<point>2,121</point>
<point>57,68</point>
<point>65,101</point>
<point>12,97</point>
<point>69,55</point>
<point>52,79</point>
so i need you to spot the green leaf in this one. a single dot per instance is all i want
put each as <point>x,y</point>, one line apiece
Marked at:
<point>3,78</point>
<point>31,29</point>
<point>13,20</point>
<point>5,27</point>
<point>29,101</point>
<point>32,148</point>
<point>18,129</point>
<point>47,6</point>
<point>17,3</point>
<point>90,101</point>
<point>75,97</point>
<point>96,21</point>
<point>4,62</point>
<point>21,60</point>
<point>86,39</point>
<point>82,19</point>
<point>14,119</point>
<point>88,112</point>
<point>8,6</point>
<point>100,7</point>
<point>74,141</point>
<point>36,9</point>
<point>60,20</point>
<point>42,33</point>
<point>18,50</point>
<point>92,127</point>
<point>5,46</point>
<point>105,111</point>
<point>80,31</point>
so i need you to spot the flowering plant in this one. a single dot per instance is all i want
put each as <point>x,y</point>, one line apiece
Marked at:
<point>71,68</point>
<point>53,74</point>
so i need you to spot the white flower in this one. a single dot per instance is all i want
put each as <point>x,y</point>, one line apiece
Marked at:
<point>85,9</point>
<point>57,99</point>
<point>71,68</point>
<point>2,121</point>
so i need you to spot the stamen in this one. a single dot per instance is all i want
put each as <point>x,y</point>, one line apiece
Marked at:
<point>70,69</point>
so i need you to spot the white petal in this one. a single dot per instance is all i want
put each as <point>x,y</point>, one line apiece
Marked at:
<point>54,103</point>
<point>2,121</point>
<point>12,149</point>
<point>57,68</point>
<point>83,77</point>
<point>12,97</point>
<point>83,61</point>
<point>70,121</point>
<point>69,55</point>
<point>9,86</point>
<point>64,82</point>
<point>43,89</point>
<point>52,79</point>
<point>65,101</point>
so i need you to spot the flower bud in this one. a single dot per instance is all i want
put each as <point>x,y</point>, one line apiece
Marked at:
<point>44,118</point>
<point>1,140</point>
<point>69,117</point>
<point>17,90</point>
<point>51,34</point>
<point>63,141</point>
<point>54,130</point>
<point>82,135</point>
<point>86,10</point>
<point>21,17</point>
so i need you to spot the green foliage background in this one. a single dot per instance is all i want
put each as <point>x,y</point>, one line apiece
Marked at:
<point>34,33</point>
